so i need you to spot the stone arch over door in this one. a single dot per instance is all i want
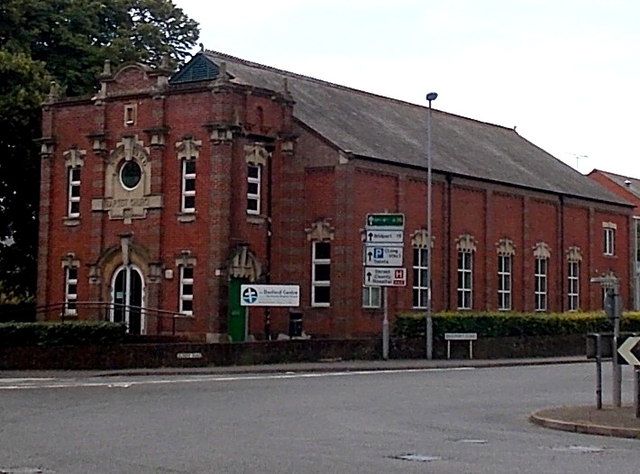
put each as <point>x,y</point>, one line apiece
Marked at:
<point>128,299</point>
<point>113,259</point>
<point>243,267</point>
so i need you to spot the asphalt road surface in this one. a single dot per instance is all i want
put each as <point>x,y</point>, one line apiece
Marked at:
<point>435,421</point>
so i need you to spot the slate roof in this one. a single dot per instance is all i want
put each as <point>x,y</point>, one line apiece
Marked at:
<point>627,182</point>
<point>376,127</point>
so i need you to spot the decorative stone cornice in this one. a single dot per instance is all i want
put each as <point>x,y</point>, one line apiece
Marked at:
<point>222,133</point>
<point>420,239</point>
<point>288,144</point>
<point>256,153</point>
<point>185,259</point>
<point>542,250</point>
<point>574,254</point>
<point>466,243</point>
<point>47,146</point>
<point>320,231</point>
<point>244,264</point>
<point>188,148</point>
<point>55,93</point>
<point>157,136</point>
<point>505,248</point>
<point>73,157</point>
<point>99,142</point>
<point>70,261</point>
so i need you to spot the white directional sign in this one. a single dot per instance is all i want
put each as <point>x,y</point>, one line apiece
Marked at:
<point>374,236</point>
<point>383,276</point>
<point>625,350</point>
<point>383,256</point>
<point>270,295</point>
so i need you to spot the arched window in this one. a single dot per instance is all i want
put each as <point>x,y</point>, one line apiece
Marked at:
<point>466,246</point>
<point>574,257</point>
<point>541,254</point>
<point>506,250</point>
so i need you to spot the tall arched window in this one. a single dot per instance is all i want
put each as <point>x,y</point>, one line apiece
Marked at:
<point>466,246</point>
<point>574,257</point>
<point>506,251</point>
<point>541,255</point>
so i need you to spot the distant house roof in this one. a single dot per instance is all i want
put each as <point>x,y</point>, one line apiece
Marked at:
<point>381,128</point>
<point>628,183</point>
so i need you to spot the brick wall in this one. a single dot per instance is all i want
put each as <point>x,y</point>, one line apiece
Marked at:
<point>313,182</point>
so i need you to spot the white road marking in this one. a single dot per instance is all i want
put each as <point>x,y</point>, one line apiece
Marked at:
<point>137,380</point>
<point>25,379</point>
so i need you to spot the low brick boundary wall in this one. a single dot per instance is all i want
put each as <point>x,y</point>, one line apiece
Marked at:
<point>127,356</point>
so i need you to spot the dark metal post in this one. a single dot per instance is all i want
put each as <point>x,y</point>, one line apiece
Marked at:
<point>431,96</point>
<point>636,384</point>
<point>616,370</point>
<point>385,327</point>
<point>598,371</point>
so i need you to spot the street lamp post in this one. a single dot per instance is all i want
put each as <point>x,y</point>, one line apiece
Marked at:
<point>431,96</point>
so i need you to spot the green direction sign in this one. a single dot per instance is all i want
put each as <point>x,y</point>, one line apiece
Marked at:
<point>385,220</point>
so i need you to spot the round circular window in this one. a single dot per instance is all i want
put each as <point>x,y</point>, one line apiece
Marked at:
<point>130,174</point>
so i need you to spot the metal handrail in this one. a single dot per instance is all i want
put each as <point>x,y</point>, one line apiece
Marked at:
<point>107,307</point>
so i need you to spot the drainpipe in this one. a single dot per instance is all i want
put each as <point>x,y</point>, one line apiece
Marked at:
<point>267,312</point>
<point>563,283</point>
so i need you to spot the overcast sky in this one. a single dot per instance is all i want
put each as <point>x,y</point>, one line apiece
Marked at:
<point>566,73</point>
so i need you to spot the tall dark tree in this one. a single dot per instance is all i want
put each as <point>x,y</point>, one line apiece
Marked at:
<point>66,41</point>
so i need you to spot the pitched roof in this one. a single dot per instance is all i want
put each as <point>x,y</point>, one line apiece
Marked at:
<point>376,127</point>
<point>630,184</point>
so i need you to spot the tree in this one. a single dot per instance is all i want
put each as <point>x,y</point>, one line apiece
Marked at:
<point>67,41</point>
<point>75,37</point>
<point>23,83</point>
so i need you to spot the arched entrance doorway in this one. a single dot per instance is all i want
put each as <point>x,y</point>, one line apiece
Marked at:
<point>127,298</point>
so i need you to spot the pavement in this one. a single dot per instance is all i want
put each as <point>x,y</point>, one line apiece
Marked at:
<point>608,421</point>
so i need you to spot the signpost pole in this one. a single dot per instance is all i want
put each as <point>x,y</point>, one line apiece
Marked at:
<point>385,327</point>
<point>613,309</point>
<point>616,370</point>
<point>383,259</point>
<point>636,384</point>
<point>598,371</point>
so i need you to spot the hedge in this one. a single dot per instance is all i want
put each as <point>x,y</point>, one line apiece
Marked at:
<point>501,324</point>
<point>20,312</point>
<point>61,334</point>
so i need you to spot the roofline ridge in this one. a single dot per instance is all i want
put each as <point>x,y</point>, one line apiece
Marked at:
<point>348,88</point>
<point>310,78</point>
<point>611,173</point>
<point>305,77</point>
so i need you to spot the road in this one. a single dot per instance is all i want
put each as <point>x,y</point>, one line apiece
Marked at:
<point>443,421</point>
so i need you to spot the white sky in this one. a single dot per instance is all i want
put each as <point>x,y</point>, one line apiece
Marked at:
<point>565,72</point>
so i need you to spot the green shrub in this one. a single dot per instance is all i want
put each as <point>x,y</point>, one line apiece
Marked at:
<point>61,334</point>
<point>501,324</point>
<point>20,312</point>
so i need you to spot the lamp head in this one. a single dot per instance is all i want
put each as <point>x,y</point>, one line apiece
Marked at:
<point>432,96</point>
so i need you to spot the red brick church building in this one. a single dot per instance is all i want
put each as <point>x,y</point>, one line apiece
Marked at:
<point>162,194</point>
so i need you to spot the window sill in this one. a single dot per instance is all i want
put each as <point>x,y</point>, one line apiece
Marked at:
<point>255,219</point>
<point>184,316</point>
<point>187,217</point>
<point>71,221</point>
